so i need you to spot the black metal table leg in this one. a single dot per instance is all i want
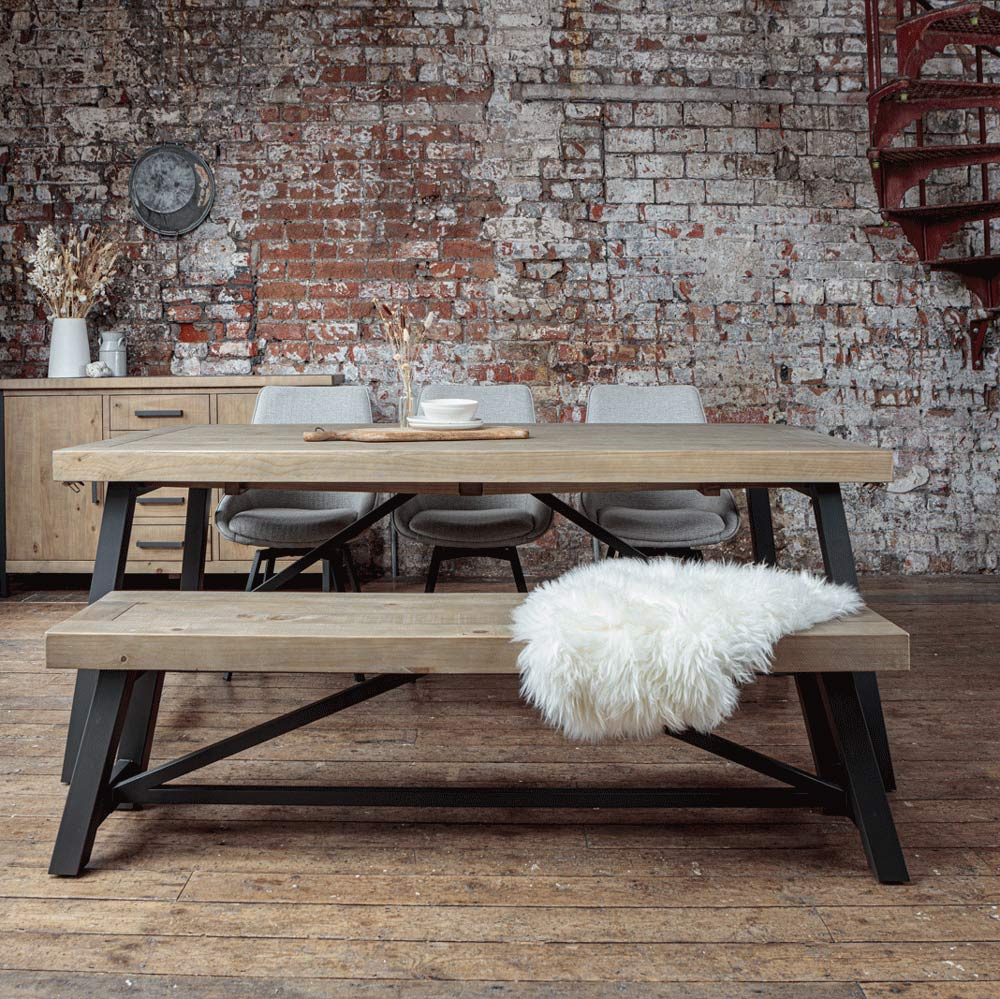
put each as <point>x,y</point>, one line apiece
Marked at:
<point>865,791</point>
<point>144,705</point>
<point>89,799</point>
<point>109,571</point>
<point>838,558</point>
<point>821,744</point>
<point>761,526</point>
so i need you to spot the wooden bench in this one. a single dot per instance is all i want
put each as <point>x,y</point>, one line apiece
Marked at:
<point>132,639</point>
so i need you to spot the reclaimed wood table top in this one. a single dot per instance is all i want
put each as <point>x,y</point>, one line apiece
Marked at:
<point>557,457</point>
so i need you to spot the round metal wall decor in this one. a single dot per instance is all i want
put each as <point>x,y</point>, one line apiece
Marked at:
<point>171,189</point>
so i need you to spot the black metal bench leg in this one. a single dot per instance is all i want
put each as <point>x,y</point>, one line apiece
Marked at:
<point>866,796</point>
<point>89,800</point>
<point>838,558</point>
<point>822,744</point>
<point>109,573</point>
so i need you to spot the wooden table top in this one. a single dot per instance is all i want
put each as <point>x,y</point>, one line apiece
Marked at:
<point>558,457</point>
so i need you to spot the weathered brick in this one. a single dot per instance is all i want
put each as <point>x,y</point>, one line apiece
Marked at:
<point>686,200</point>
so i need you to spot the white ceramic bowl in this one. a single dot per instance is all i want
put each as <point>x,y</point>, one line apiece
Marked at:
<point>449,410</point>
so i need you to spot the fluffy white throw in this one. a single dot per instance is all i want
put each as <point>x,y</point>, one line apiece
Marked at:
<point>622,648</point>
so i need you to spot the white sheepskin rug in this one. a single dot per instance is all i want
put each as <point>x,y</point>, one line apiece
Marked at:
<point>621,648</point>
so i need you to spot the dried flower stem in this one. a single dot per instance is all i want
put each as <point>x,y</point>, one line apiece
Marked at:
<point>406,340</point>
<point>73,276</point>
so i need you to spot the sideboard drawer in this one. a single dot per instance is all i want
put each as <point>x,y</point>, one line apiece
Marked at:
<point>150,412</point>
<point>162,504</point>
<point>157,543</point>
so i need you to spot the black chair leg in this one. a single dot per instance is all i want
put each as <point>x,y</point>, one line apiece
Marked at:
<point>254,571</point>
<point>432,571</point>
<point>515,566</point>
<point>352,576</point>
<point>327,576</point>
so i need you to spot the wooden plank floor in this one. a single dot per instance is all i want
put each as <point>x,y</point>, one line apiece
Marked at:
<point>211,902</point>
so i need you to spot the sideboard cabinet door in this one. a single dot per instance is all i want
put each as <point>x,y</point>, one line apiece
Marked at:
<point>46,519</point>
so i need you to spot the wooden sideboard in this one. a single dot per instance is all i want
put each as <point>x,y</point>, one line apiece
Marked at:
<point>48,526</point>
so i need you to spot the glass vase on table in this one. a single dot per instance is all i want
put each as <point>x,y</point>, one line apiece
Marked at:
<point>406,399</point>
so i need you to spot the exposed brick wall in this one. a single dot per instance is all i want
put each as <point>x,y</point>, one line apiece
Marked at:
<point>588,190</point>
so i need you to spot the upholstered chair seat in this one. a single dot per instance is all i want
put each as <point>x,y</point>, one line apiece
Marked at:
<point>682,520</point>
<point>278,520</point>
<point>493,526</point>
<point>285,526</point>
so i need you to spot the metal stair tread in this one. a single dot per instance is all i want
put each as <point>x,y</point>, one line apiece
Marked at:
<point>931,89</point>
<point>924,154</point>
<point>959,20</point>
<point>941,213</point>
<point>967,265</point>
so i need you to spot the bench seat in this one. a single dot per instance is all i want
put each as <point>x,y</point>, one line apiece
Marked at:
<point>133,640</point>
<point>464,633</point>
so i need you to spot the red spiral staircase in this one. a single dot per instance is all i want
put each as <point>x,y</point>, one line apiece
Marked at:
<point>901,160</point>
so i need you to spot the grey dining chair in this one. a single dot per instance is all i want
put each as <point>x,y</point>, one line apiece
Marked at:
<point>281,522</point>
<point>476,526</point>
<point>656,522</point>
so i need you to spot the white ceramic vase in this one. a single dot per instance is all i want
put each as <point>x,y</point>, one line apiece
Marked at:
<point>69,351</point>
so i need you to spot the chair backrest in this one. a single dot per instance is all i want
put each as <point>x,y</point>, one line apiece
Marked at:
<point>497,403</point>
<point>312,404</point>
<point>645,404</point>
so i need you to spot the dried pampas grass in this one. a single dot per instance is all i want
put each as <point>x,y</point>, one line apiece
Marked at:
<point>406,340</point>
<point>73,275</point>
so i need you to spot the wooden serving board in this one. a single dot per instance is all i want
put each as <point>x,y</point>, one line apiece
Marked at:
<point>397,435</point>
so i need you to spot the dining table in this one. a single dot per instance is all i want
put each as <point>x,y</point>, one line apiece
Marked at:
<point>555,460</point>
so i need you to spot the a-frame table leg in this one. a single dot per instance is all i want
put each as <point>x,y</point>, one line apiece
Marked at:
<point>89,799</point>
<point>821,743</point>
<point>109,572</point>
<point>865,791</point>
<point>838,558</point>
<point>140,721</point>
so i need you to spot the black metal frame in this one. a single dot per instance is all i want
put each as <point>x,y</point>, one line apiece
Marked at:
<point>441,554</point>
<point>101,784</point>
<point>107,753</point>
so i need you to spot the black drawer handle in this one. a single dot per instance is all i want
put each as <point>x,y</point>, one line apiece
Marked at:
<point>160,501</point>
<point>159,544</point>
<point>151,414</point>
